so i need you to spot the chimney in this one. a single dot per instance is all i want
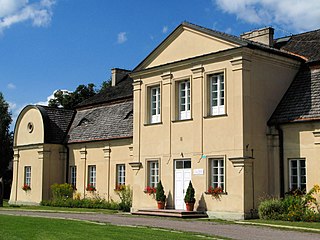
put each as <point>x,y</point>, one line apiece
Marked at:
<point>263,35</point>
<point>117,75</point>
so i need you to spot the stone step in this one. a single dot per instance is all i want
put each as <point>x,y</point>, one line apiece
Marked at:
<point>171,213</point>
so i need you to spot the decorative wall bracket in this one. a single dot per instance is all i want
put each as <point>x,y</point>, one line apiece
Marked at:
<point>135,165</point>
<point>241,161</point>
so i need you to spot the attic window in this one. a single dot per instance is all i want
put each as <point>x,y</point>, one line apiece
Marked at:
<point>30,127</point>
<point>84,121</point>
<point>128,114</point>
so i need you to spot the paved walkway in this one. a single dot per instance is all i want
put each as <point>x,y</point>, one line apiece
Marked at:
<point>233,231</point>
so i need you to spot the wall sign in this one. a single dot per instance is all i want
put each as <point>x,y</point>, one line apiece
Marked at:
<point>198,171</point>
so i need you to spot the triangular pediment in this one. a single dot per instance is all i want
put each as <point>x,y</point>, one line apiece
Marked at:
<point>188,41</point>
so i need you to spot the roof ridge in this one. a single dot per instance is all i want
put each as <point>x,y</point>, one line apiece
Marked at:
<point>299,34</point>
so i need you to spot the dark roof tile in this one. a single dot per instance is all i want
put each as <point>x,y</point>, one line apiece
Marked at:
<point>56,123</point>
<point>122,90</point>
<point>305,44</point>
<point>102,123</point>
<point>302,100</point>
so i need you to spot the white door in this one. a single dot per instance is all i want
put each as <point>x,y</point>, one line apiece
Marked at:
<point>182,179</point>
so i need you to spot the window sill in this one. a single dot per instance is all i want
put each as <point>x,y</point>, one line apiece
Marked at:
<point>182,120</point>
<point>223,193</point>
<point>215,116</point>
<point>152,124</point>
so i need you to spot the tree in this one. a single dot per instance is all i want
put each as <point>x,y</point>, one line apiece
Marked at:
<point>69,100</point>
<point>6,146</point>
<point>105,85</point>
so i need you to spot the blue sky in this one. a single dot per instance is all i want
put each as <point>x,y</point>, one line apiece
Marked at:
<point>58,44</point>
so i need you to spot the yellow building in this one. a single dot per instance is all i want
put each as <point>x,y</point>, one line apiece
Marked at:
<point>204,106</point>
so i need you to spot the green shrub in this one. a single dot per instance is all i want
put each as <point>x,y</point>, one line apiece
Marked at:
<point>271,209</point>
<point>62,191</point>
<point>189,197</point>
<point>125,195</point>
<point>96,203</point>
<point>160,196</point>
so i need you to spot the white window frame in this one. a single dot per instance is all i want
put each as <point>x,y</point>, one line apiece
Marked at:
<point>299,174</point>
<point>219,173</point>
<point>27,175</point>
<point>217,96</point>
<point>184,100</point>
<point>121,174</point>
<point>153,173</point>
<point>92,175</point>
<point>155,104</point>
<point>73,176</point>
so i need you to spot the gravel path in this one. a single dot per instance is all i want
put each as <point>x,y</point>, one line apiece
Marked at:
<point>233,231</point>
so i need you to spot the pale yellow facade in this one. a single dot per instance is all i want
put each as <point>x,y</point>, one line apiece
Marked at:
<point>254,84</point>
<point>236,137</point>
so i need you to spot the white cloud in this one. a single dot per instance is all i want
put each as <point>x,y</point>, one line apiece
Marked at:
<point>295,15</point>
<point>39,12</point>
<point>165,29</point>
<point>122,37</point>
<point>11,86</point>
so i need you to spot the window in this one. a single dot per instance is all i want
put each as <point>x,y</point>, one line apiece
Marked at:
<point>73,176</point>
<point>155,103</point>
<point>216,96</point>
<point>153,173</point>
<point>184,100</point>
<point>121,174</point>
<point>92,175</point>
<point>217,173</point>
<point>27,176</point>
<point>297,174</point>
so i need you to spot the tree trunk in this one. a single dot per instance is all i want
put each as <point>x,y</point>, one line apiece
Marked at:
<point>1,192</point>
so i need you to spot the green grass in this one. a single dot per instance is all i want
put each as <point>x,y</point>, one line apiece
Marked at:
<point>17,227</point>
<point>313,225</point>
<point>55,209</point>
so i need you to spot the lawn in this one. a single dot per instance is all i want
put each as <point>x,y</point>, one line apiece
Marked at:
<point>312,225</point>
<point>18,227</point>
<point>55,209</point>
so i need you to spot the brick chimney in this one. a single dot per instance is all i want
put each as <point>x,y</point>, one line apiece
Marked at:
<point>263,35</point>
<point>117,75</point>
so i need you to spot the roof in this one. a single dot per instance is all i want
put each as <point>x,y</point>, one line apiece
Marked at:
<point>102,123</point>
<point>301,102</point>
<point>122,90</point>
<point>305,44</point>
<point>56,123</point>
<point>221,35</point>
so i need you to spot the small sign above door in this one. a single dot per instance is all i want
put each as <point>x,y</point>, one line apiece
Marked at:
<point>198,171</point>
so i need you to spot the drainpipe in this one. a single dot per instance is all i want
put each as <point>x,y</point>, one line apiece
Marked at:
<point>281,160</point>
<point>67,163</point>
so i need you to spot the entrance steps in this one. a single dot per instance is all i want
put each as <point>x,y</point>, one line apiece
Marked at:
<point>170,213</point>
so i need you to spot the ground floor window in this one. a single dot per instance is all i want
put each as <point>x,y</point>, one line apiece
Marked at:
<point>217,170</point>
<point>73,176</point>
<point>27,176</point>
<point>297,174</point>
<point>92,175</point>
<point>153,174</point>
<point>121,174</point>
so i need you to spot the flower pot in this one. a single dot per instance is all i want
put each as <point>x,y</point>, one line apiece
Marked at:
<point>160,205</point>
<point>189,206</point>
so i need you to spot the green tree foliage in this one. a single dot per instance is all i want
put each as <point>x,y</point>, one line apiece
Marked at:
<point>69,100</point>
<point>189,197</point>
<point>160,197</point>
<point>105,85</point>
<point>6,143</point>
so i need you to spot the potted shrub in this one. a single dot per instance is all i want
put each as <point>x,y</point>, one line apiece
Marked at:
<point>189,198</point>
<point>160,197</point>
